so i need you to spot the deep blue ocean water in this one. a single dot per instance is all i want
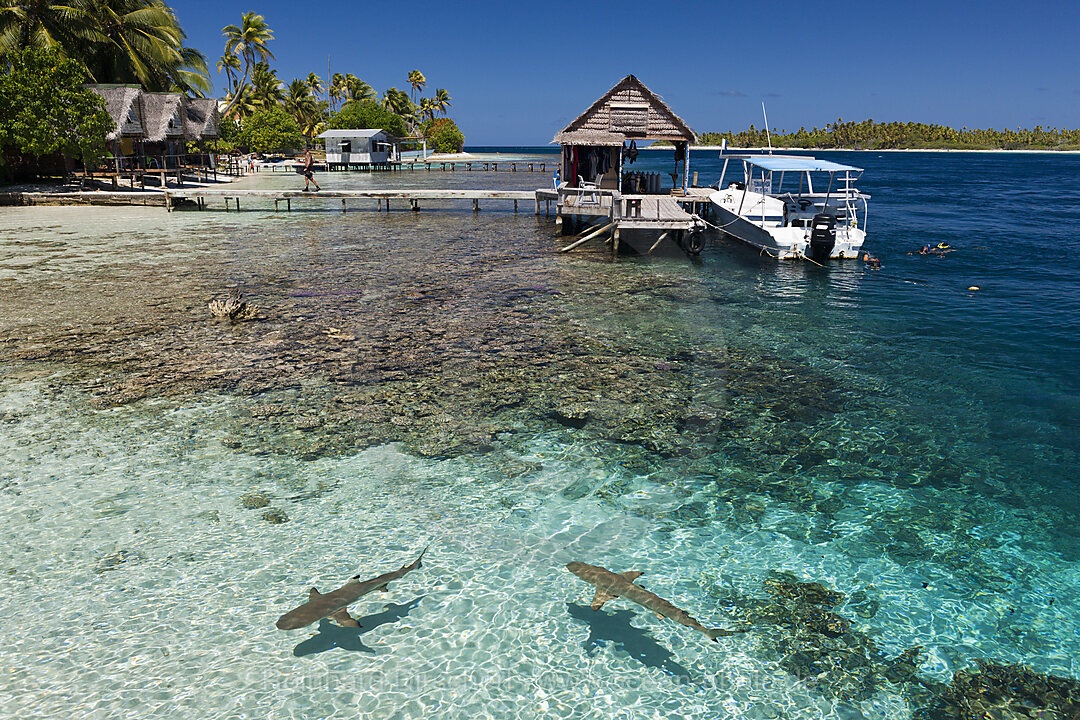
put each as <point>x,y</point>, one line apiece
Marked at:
<point>888,433</point>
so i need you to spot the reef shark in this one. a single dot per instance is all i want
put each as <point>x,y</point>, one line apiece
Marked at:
<point>332,604</point>
<point>610,585</point>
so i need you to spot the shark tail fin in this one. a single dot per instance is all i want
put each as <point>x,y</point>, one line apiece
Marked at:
<point>344,619</point>
<point>416,563</point>
<point>600,598</point>
<point>719,633</point>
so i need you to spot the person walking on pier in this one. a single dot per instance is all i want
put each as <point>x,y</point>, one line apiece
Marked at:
<point>309,171</point>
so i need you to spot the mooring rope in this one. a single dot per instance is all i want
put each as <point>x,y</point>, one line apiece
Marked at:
<point>798,254</point>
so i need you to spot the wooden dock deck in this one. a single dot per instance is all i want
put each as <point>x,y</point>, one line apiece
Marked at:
<point>231,198</point>
<point>598,212</point>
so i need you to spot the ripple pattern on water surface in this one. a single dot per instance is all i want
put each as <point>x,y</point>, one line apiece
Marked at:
<point>879,499</point>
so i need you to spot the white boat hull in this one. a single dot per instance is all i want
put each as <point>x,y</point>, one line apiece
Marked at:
<point>760,221</point>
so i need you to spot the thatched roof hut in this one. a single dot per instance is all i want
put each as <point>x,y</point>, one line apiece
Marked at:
<point>629,111</point>
<point>162,117</point>
<point>125,109</point>
<point>201,119</point>
<point>593,143</point>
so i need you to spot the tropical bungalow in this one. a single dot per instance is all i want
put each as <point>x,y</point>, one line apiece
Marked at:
<point>599,194</point>
<point>125,109</point>
<point>600,143</point>
<point>151,130</point>
<point>163,123</point>
<point>364,149</point>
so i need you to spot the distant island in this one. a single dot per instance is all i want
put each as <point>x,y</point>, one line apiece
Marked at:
<point>870,135</point>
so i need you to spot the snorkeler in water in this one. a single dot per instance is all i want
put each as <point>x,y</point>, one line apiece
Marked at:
<point>941,249</point>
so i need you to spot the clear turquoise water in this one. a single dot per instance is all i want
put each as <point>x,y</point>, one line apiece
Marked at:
<point>886,433</point>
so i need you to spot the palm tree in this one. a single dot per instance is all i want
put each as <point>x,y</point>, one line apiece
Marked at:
<point>229,64</point>
<point>357,89</point>
<point>42,24</point>
<point>314,83</point>
<point>304,108</point>
<point>427,108</point>
<point>338,90</point>
<point>397,102</point>
<point>240,104</point>
<point>141,41</point>
<point>117,40</point>
<point>266,87</point>
<point>442,101</point>
<point>418,82</point>
<point>249,41</point>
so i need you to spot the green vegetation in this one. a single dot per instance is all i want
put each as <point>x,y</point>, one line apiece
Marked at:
<point>116,41</point>
<point>270,130</point>
<point>45,110</point>
<point>870,135</point>
<point>141,42</point>
<point>253,86</point>
<point>368,114</point>
<point>444,135</point>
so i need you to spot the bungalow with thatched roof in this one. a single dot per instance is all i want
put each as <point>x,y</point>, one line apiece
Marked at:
<point>125,108</point>
<point>601,141</point>
<point>201,119</point>
<point>151,129</point>
<point>163,123</point>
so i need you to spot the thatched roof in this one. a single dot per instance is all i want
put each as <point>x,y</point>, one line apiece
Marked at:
<point>124,109</point>
<point>201,118</point>
<point>161,116</point>
<point>629,111</point>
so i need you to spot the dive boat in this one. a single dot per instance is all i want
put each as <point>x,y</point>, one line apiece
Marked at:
<point>777,208</point>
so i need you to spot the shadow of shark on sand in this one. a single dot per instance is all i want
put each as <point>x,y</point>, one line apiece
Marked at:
<point>331,635</point>
<point>614,628</point>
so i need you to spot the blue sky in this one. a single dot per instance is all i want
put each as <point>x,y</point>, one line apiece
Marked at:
<point>518,72</point>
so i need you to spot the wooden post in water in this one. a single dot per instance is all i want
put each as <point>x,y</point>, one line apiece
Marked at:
<point>658,241</point>
<point>589,236</point>
<point>342,206</point>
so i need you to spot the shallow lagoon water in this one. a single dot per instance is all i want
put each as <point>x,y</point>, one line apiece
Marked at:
<point>446,379</point>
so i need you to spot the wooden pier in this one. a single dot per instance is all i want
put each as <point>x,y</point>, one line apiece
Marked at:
<point>512,166</point>
<point>230,199</point>
<point>593,213</point>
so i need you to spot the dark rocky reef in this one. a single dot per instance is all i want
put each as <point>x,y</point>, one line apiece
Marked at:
<point>818,645</point>
<point>996,691</point>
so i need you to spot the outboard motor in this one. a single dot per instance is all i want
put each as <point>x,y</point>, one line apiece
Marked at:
<point>822,236</point>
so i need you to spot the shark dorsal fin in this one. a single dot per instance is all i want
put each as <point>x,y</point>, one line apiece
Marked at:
<point>631,575</point>
<point>344,619</point>
<point>313,593</point>
<point>600,598</point>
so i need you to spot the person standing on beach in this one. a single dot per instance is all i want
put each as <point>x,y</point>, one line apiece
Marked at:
<point>309,171</point>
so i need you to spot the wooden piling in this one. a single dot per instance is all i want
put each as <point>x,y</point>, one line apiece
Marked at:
<point>590,236</point>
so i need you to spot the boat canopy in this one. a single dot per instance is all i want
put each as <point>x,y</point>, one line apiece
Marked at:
<point>799,164</point>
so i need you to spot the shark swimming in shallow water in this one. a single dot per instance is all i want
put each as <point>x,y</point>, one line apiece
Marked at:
<point>332,604</point>
<point>610,585</point>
